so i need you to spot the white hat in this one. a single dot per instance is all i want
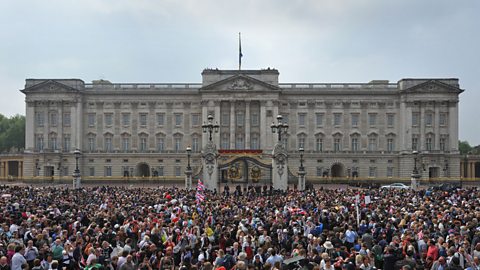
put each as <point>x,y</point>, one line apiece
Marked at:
<point>328,245</point>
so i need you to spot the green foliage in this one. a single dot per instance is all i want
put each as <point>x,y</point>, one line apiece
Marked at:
<point>12,133</point>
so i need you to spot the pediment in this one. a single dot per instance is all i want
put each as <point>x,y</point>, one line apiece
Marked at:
<point>433,86</point>
<point>239,83</point>
<point>50,86</point>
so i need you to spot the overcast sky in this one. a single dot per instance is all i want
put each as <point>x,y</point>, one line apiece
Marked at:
<point>307,41</point>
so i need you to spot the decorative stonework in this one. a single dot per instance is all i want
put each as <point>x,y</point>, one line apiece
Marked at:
<point>240,84</point>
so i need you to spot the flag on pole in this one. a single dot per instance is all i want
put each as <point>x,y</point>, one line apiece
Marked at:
<point>240,55</point>
<point>199,196</point>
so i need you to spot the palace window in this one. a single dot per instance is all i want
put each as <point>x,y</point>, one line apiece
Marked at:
<point>355,117</point>
<point>355,144</point>
<point>143,119</point>
<point>337,119</point>
<point>177,143</point>
<point>178,119</point>
<point>414,142</point>
<point>372,119</point>
<point>443,119</point>
<point>225,141</point>
<point>301,119</point>
<point>66,142</point>
<point>39,119</point>
<point>91,120</point>
<point>53,119</point>
<point>66,119</point>
<point>160,119</point>
<point>319,119</point>
<point>195,120</point>
<point>390,119</point>
<point>415,119</point>
<point>108,119</point>
<point>125,119</point>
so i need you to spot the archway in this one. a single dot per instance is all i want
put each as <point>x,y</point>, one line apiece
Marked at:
<point>143,170</point>
<point>337,170</point>
<point>433,172</point>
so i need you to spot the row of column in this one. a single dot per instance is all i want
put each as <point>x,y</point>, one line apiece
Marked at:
<point>265,138</point>
<point>5,169</point>
<point>470,167</point>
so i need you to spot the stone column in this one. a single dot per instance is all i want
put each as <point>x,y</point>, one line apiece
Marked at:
<point>422,127</point>
<point>279,167</point>
<point>232,125</point>
<point>301,180</point>
<point>30,126</point>
<point>264,127</point>
<point>217,119</point>
<point>210,166</point>
<point>436,126</point>
<point>188,179</point>
<point>453,125</point>
<point>247,125</point>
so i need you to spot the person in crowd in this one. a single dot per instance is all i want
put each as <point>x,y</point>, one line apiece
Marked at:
<point>170,229</point>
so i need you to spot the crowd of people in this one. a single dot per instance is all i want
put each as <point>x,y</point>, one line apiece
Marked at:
<point>124,228</point>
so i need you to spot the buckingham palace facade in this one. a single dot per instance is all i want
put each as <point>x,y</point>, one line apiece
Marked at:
<point>347,130</point>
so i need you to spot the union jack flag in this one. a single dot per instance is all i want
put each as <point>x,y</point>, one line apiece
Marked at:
<point>199,196</point>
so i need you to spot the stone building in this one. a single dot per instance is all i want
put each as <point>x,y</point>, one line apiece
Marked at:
<point>141,130</point>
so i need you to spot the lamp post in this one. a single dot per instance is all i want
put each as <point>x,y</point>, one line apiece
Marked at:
<point>188,171</point>
<point>76,174</point>
<point>279,127</point>
<point>301,171</point>
<point>209,155</point>
<point>415,175</point>
<point>210,127</point>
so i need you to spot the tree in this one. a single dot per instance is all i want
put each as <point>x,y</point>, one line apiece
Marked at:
<point>464,147</point>
<point>12,133</point>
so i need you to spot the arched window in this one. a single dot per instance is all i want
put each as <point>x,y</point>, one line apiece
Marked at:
<point>125,142</point>
<point>160,142</point>
<point>429,141</point>
<point>52,141</point>
<point>355,142</point>
<point>301,139</point>
<point>178,143</point>
<point>390,142</point>
<point>108,142</point>
<point>337,142</point>
<point>319,139</point>
<point>143,142</point>
<point>91,142</point>
<point>372,142</point>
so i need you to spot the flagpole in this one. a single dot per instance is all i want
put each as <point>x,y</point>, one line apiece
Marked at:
<point>239,51</point>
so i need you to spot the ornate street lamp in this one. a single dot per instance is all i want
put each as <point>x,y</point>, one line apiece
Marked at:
<point>76,173</point>
<point>301,150</point>
<point>415,175</point>
<point>415,155</point>
<point>188,171</point>
<point>279,127</point>
<point>301,171</point>
<point>189,152</point>
<point>210,127</point>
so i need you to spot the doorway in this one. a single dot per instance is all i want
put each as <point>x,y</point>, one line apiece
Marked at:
<point>337,170</point>
<point>433,172</point>
<point>143,170</point>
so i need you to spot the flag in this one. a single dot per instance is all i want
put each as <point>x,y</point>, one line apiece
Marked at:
<point>199,196</point>
<point>240,55</point>
<point>200,185</point>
